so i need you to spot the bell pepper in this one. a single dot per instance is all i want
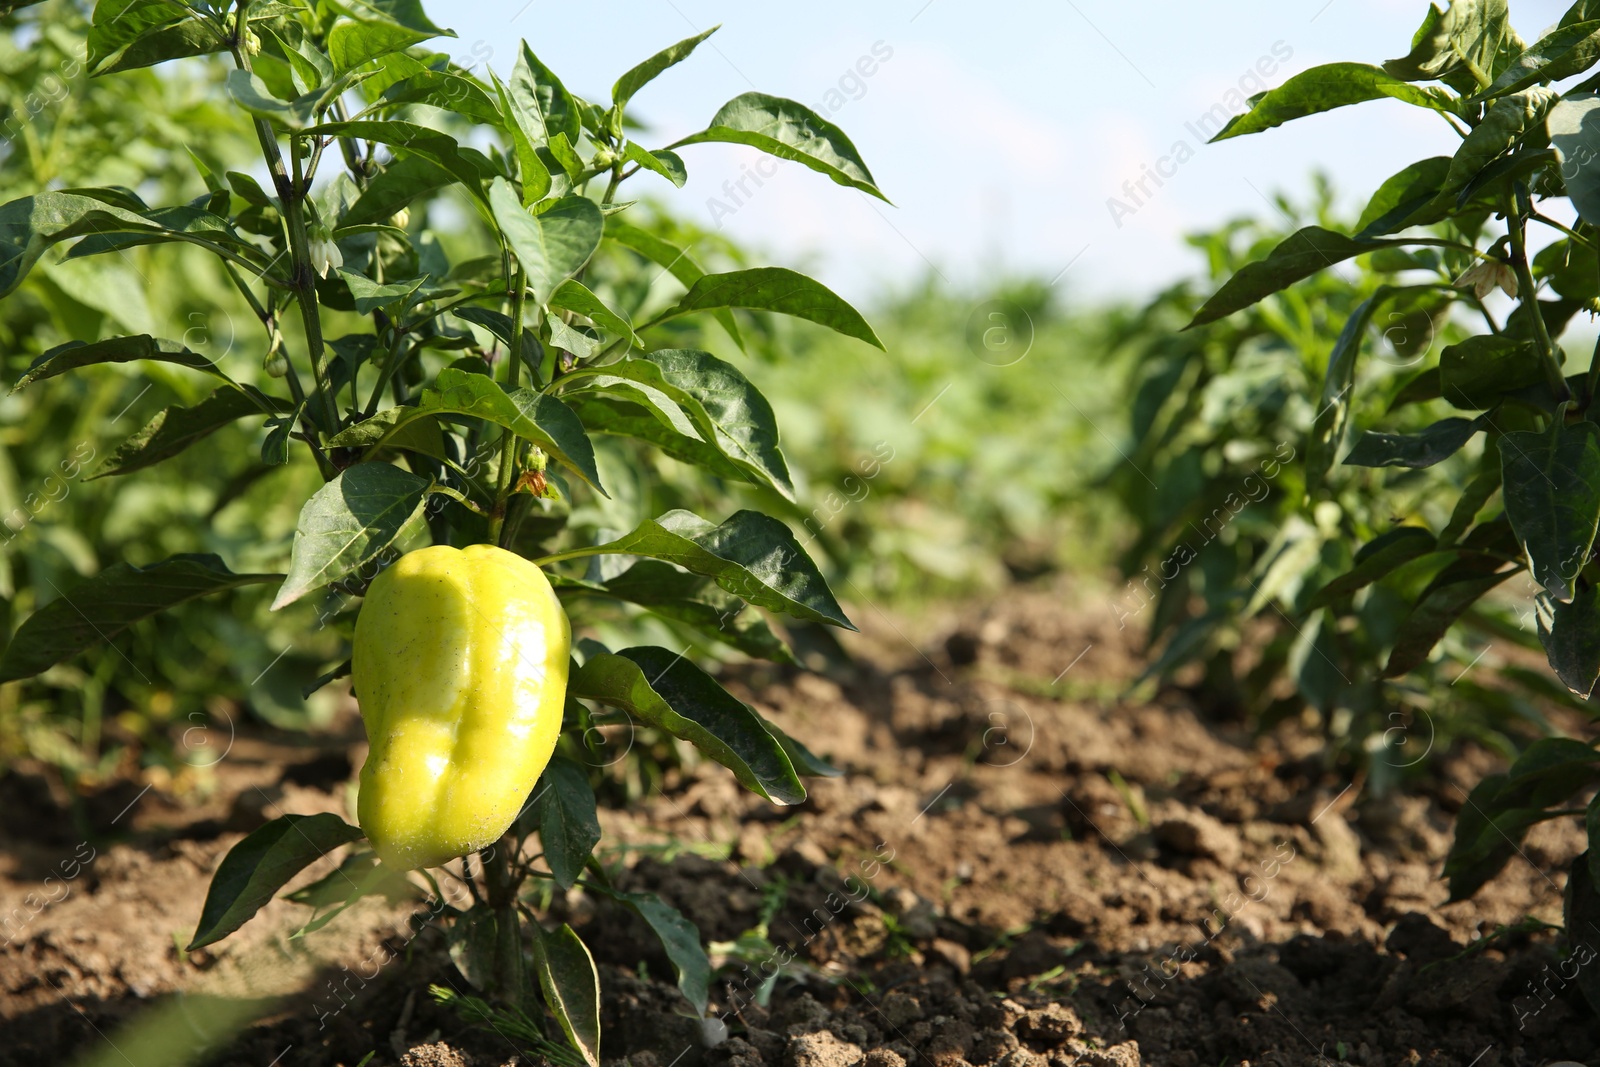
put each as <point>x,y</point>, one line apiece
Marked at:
<point>460,667</point>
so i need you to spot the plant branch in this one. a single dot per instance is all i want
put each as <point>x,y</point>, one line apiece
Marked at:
<point>306,290</point>
<point>508,449</point>
<point>1528,292</point>
<point>1591,380</point>
<point>291,196</point>
<point>502,894</point>
<point>1536,217</point>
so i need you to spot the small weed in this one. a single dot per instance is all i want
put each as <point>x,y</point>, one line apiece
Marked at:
<point>1130,797</point>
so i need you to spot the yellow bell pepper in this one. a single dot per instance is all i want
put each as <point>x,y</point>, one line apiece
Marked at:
<point>460,666</point>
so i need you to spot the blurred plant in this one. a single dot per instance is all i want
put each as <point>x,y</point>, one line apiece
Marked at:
<point>1230,569</point>
<point>916,485</point>
<point>168,693</point>
<point>1443,242</point>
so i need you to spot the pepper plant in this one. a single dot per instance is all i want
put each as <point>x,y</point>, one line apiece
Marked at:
<point>463,395</point>
<point>1231,574</point>
<point>1528,162</point>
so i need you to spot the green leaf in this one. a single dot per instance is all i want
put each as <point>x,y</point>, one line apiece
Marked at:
<point>696,601</point>
<point>566,158</point>
<point>667,164</point>
<point>130,34</point>
<point>30,226</point>
<point>571,986</point>
<point>1416,450</point>
<point>447,90</point>
<point>1572,640</point>
<point>275,445</point>
<point>580,344</point>
<point>473,940</point>
<point>1574,125</point>
<point>674,260</point>
<point>347,522</point>
<point>1572,269</point>
<point>1487,837</point>
<point>1502,807</point>
<point>363,38</point>
<point>751,555</point>
<point>118,23</point>
<point>537,417</point>
<point>1566,51</point>
<point>176,428</point>
<point>1466,31</point>
<point>256,868</point>
<point>1420,389</point>
<point>369,295</point>
<point>547,422</point>
<point>806,762</point>
<point>1581,11</point>
<point>402,181</point>
<point>101,608</point>
<point>550,247</point>
<point>527,135</point>
<point>658,421</point>
<point>407,13</point>
<point>1504,125</point>
<point>1333,409</point>
<point>438,148</point>
<point>1580,912</point>
<point>563,809</point>
<point>1447,597</point>
<point>572,295</point>
<point>75,354</point>
<point>725,409</point>
<point>1476,374</point>
<point>357,877</point>
<point>679,937</point>
<point>194,37</point>
<point>499,324</point>
<point>789,131</point>
<point>646,72</point>
<point>1327,87</point>
<point>667,691</point>
<point>542,104</point>
<point>307,60</point>
<point>1377,559</point>
<point>774,289</point>
<point>1477,493</point>
<point>1400,200</point>
<point>252,94</point>
<point>1551,487</point>
<point>1299,256</point>
<point>190,224</point>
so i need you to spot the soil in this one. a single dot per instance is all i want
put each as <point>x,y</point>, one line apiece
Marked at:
<point>1021,867</point>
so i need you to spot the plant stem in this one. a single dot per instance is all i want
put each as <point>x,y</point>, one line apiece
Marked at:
<point>390,364</point>
<point>1528,293</point>
<point>573,553</point>
<point>508,448</point>
<point>1591,381</point>
<point>502,892</point>
<point>291,196</point>
<point>305,289</point>
<point>1553,224</point>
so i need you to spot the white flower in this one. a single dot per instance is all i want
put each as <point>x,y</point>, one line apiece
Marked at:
<point>324,252</point>
<point>1482,278</point>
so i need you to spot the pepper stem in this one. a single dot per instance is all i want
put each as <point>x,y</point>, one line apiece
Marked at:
<point>502,891</point>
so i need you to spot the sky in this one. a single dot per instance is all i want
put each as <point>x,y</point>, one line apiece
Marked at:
<point>1001,131</point>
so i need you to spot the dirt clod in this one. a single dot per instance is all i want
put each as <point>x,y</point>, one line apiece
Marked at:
<point>821,1049</point>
